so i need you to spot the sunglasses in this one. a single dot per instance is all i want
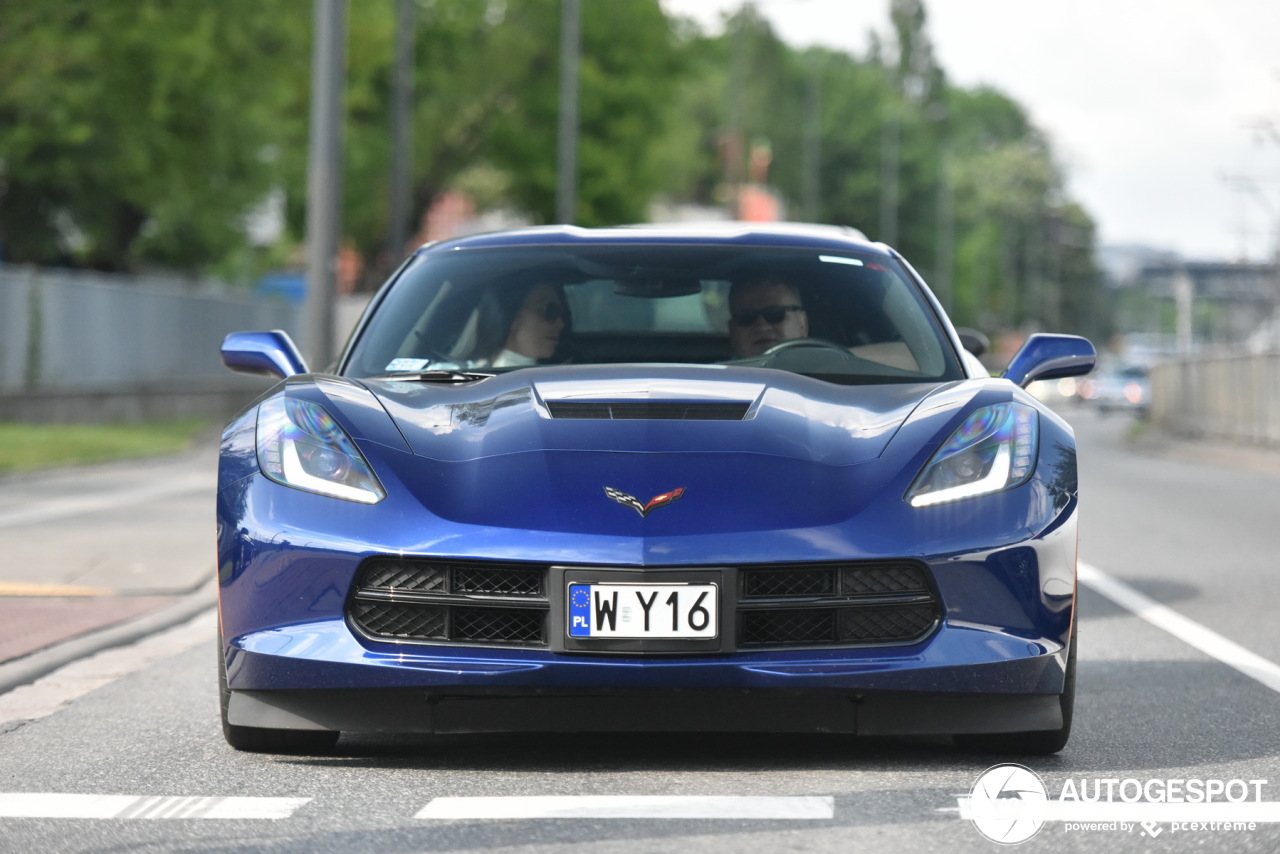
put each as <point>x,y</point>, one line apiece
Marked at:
<point>771,314</point>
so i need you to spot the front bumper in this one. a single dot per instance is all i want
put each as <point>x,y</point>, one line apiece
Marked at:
<point>994,662</point>
<point>962,680</point>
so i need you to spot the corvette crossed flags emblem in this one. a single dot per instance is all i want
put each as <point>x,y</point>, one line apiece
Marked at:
<point>643,509</point>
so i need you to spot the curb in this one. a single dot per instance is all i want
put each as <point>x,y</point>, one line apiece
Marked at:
<point>23,671</point>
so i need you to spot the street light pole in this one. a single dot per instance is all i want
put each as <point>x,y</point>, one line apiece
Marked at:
<point>889,154</point>
<point>324,177</point>
<point>567,149</point>
<point>401,134</point>
<point>812,150</point>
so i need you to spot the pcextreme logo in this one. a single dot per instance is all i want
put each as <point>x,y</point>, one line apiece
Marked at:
<point>1010,804</point>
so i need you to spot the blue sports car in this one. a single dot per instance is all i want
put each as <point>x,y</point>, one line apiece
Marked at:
<point>724,478</point>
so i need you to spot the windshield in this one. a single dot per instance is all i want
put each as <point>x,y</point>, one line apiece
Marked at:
<point>839,316</point>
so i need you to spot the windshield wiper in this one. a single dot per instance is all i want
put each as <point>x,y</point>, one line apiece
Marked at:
<point>441,376</point>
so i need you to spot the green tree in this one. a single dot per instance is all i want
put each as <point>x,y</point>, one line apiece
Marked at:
<point>971,188</point>
<point>1024,249</point>
<point>486,82</point>
<point>139,131</point>
<point>630,64</point>
<point>473,62</point>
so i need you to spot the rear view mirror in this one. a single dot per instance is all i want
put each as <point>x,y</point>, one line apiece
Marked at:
<point>973,340</point>
<point>658,288</point>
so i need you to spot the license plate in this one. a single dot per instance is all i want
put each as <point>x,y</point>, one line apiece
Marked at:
<point>643,610</point>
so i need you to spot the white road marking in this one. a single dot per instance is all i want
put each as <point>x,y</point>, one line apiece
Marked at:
<point>1188,631</point>
<point>54,805</point>
<point>50,693</point>
<point>622,806</point>
<point>41,589</point>
<point>60,508</point>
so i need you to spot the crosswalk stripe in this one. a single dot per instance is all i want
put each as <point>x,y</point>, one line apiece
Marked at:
<point>622,806</point>
<point>151,808</point>
<point>61,805</point>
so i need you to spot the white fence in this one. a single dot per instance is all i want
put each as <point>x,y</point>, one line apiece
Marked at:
<point>80,346</point>
<point>1227,397</point>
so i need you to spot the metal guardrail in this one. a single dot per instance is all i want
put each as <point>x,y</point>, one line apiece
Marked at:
<point>83,346</point>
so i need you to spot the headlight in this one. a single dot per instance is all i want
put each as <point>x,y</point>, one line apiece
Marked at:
<point>993,450</point>
<point>300,445</point>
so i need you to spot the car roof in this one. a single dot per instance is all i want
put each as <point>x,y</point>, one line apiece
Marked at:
<point>835,237</point>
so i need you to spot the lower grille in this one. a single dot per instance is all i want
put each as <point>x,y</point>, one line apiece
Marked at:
<point>788,627</point>
<point>497,625</point>
<point>835,626</point>
<point>886,602</point>
<point>387,619</point>
<point>496,604</point>
<point>444,602</point>
<point>858,579</point>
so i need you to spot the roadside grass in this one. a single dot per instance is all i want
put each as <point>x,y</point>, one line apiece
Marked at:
<point>29,447</point>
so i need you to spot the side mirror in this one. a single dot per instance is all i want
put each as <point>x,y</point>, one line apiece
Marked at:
<point>1050,357</point>
<point>271,354</point>
<point>973,340</point>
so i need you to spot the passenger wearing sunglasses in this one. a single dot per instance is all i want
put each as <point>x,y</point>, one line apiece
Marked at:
<point>762,313</point>
<point>535,330</point>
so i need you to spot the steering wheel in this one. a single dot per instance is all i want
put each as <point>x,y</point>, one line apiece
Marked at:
<point>813,344</point>
<point>793,343</point>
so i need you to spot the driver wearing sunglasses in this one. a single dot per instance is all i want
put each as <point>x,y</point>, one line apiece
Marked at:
<point>762,313</point>
<point>535,331</point>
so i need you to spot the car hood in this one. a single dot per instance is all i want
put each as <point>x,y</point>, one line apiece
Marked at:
<point>649,410</point>
<point>557,451</point>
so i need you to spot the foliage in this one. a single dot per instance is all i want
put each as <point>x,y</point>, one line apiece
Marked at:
<point>626,86</point>
<point>137,130</point>
<point>141,132</point>
<point>959,180</point>
<point>486,81</point>
<point>472,58</point>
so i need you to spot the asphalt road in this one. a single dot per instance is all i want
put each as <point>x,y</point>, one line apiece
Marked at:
<point>1160,699</point>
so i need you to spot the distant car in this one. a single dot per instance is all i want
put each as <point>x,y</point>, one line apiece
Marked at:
<point>1126,388</point>
<point>588,480</point>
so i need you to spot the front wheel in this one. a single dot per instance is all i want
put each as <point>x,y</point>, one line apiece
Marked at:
<point>261,740</point>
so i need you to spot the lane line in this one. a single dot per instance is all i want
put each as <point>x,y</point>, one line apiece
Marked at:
<point>624,806</point>
<point>60,508</point>
<point>1184,629</point>
<point>58,805</point>
<point>41,589</point>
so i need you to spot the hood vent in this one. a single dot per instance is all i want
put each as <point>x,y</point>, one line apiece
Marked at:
<point>648,410</point>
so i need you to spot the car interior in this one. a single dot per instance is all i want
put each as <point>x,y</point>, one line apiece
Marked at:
<point>864,320</point>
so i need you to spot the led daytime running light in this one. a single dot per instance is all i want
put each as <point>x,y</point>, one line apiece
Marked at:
<point>302,446</point>
<point>994,449</point>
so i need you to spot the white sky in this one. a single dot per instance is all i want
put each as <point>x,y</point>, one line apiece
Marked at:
<point>1149,103</point>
